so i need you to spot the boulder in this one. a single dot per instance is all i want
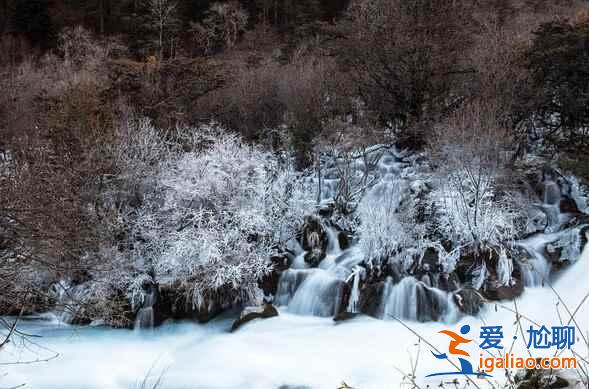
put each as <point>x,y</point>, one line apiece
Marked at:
<point>269,282</point>
<point>493,290</point>
<point>539,379</point>
<point>469,301</point>
<point>326,210</point>
<point>343,316</point>
<point>371,297</point>
<point>568,205</point>
<point>251,313</point>
<point>344,239</point>
<point>314,257</point>
<point>314,240</point>
<point>172,303</point>
<point>447,282</point>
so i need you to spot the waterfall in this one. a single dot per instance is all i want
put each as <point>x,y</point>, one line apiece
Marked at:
<point>319,295</point>
<point>400,301</point>
<point>552,194</point>
<point>69,297</point>
<point>551,206</point>
<point>318,291</point>
<point>299,261</point>
<point>538,267</point>
<point>355,293</point>
<point>504,269</point>
<point>332,241</point>
<point>289,282</point>
<point>145,315</point>
<point>411,299</point>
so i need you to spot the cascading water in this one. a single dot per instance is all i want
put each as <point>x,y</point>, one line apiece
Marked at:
<point>355,293</point>
<point>537,268</point>
<point>263,353</point>
<point>145,316</point>
<point>317,291</point>
<point>333,248</point>
<point>319,295</point>
<point>550,206</point>
<point>320,291</point>
<point>411,299</point>
<point>69,297</point>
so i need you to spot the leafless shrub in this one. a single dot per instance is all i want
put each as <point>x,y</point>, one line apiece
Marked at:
<point>472,152</point>
<point>221,27</point>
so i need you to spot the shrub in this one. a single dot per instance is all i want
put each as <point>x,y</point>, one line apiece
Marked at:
<point>216,215</point>
<point>472,152</point>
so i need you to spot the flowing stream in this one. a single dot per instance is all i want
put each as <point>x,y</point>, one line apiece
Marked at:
<point>303,347</point>
<point>290,349</point>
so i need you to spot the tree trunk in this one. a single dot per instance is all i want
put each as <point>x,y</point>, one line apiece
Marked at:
<point>161,41</point>
<point>101,16</point>
<point>4,17</point>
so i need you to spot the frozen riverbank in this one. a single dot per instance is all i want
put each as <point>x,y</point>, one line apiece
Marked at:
<point>288,350</point>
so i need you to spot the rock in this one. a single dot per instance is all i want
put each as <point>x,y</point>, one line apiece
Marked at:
<point>252,313</point>
<point>493,290</point>
<point>314,240</point>
<point>344,297</point>
<point>172,303</point>
<point>539,379</point>
<point>447,282</point>
<point>343,239</point>
<point>554,382</point>
<point>469,301</point>
<point>371,298</point>
<point>568,205</point>
<point>343,316</point>
<point>269,282</point>
<point>430,262</point>
<point>314,257</point>
<point>568,247</point>
<point>326,210</point>
<point>471,260</point>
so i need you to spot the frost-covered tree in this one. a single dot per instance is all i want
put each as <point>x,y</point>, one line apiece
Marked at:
<point>382,234</point>
<point>217,214</point>
<point>476,209</point>
<point>472,214</point>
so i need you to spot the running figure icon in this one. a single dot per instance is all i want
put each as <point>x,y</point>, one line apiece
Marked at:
<point>453,349</point>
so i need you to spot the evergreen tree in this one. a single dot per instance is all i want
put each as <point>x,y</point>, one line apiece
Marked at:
<point>31,18</point>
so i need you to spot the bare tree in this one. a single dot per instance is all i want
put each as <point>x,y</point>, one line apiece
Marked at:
<point>164,15</point>
<point>472,151</point>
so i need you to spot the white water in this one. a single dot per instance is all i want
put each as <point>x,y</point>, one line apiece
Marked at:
<point>537,269</point>
<point>317,291</point>
<point>355,293</point>
<point>285,350</point>
<point>145,315</point>
<point>302,346</point>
